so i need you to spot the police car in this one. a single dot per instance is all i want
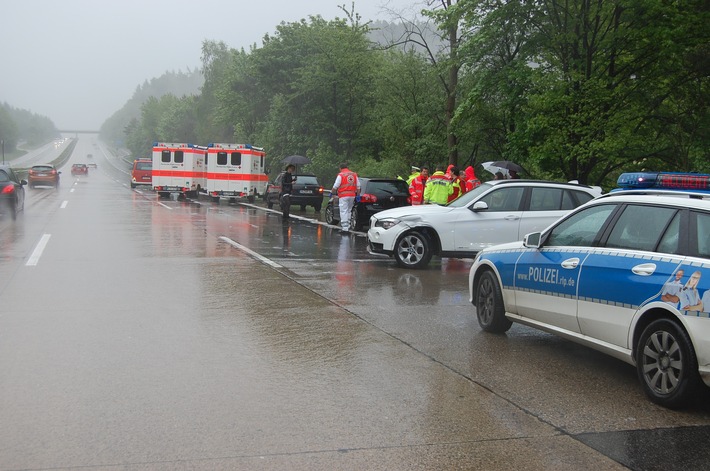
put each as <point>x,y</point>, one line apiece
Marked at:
<point>627,274</point>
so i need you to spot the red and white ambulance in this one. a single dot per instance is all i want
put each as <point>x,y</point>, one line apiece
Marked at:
<point>235,171</point>
<point>179,168</point>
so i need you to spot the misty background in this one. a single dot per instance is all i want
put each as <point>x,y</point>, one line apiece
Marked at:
<point>76,62</point>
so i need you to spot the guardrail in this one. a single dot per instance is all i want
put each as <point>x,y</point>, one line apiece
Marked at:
<point>58,162</point>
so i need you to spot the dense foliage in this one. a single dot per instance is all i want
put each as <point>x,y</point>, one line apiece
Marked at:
<point>22,126</point>
<point>574,89</point>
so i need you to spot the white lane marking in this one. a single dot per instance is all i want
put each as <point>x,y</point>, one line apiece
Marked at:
<point>64,204</point>
<point>165,205</point>
<point>72,190</point>
<point>257,256</point>
<point>37,252</point>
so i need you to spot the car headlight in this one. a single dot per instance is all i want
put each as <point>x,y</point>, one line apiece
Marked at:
<point>387,223</point>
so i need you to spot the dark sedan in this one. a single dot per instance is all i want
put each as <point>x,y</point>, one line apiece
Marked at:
<point>307,191</point>
<point>376,194</point>
<point>12,192</point>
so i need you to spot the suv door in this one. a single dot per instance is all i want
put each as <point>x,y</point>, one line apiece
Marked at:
<point>477,229</point>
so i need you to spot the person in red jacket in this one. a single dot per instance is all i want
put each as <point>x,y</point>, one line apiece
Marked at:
<point>471,180</point>
<point>416,188</point>
<point>347,186</point>
<point>458,184</point>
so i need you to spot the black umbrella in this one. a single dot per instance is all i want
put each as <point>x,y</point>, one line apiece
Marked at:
<point>508,165</point>
<point>296,160</point>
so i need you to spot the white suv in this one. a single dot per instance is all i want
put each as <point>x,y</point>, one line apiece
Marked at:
<point>497,211</point>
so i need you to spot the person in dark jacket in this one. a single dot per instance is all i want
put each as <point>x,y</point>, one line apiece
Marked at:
<point>286,189</point>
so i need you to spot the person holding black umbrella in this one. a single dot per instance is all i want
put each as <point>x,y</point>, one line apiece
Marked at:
<point>286,189</point>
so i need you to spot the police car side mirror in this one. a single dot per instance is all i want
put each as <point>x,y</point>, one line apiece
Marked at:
<point>479,206</point>
<point>532,241</point>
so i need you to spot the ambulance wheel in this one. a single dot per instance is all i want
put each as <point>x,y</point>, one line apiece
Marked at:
<point>330,217</point>
<point>413,250</point>
<point>163,194</point>
<point>215,199</point>
<point>489,304</point>
<point>666,364</point>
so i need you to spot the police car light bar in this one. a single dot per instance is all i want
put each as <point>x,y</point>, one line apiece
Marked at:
<point>665,180</point>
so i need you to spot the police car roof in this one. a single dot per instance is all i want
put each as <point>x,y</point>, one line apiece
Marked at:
<point>685,199</point>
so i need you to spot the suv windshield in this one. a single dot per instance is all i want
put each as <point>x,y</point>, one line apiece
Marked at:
<point>466,198</point>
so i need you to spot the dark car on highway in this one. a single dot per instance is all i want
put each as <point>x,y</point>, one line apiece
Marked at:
<point>12,192</point>
<point>376,194</point>
<point>307,191</point>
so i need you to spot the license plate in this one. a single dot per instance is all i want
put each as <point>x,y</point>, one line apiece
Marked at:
<point>306,192</point>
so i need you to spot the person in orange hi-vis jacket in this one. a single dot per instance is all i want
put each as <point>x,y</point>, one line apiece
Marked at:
<point>347,186</point>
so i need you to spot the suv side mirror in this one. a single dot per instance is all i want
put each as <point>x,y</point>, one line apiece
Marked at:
<point>479,206</point>
<point>532,241</point>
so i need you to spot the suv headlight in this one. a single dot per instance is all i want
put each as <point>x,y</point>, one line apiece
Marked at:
<point>387,223</point>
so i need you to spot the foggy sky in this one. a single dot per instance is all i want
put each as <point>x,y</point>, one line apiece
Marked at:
<point>79,61</point>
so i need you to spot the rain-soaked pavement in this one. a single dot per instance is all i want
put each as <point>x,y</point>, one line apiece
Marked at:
<point>165,334</point>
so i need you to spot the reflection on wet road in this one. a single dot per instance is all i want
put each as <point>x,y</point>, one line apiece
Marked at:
<point>165,334</point>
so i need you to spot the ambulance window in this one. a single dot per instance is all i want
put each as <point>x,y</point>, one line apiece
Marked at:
<point>236,158</point>
<point>221,158</point>
<point>165,156</point>
<point>179,156</point>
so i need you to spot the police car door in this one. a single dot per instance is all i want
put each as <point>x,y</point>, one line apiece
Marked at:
<point>546,279</point>
<point>627,272</point>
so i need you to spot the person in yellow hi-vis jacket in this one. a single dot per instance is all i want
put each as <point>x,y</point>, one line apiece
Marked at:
<point>438,188</point>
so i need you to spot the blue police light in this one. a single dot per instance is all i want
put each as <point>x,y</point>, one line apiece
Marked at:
<point>699,182</point>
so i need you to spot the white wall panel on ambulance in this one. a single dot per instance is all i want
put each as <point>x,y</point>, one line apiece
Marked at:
<point>179,168</point>
<point>235,171</point>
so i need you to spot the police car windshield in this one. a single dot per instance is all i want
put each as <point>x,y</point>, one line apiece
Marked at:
<point>466,198</point>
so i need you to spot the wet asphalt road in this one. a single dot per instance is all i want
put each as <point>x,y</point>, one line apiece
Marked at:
<point>165,334</point>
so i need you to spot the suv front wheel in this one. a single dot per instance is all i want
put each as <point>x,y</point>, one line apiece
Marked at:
<point>413,250</point>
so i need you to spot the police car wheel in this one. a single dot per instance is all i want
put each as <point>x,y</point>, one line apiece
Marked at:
<point>489,304</point>
<point>413,250</point>
<point>330,215</point>
<point>666,364</point>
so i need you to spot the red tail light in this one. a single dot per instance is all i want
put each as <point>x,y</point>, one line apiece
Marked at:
<point>368,198</point>
<point>8,189</point>
<point>53,172</point>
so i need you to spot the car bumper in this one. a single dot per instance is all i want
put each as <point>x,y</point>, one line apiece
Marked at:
<point>43,181</point>
<point>381,240</point>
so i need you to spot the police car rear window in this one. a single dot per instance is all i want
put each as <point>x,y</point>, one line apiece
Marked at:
<point>640,227</point>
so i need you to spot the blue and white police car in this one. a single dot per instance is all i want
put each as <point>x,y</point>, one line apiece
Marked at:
<point>627,274</point>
